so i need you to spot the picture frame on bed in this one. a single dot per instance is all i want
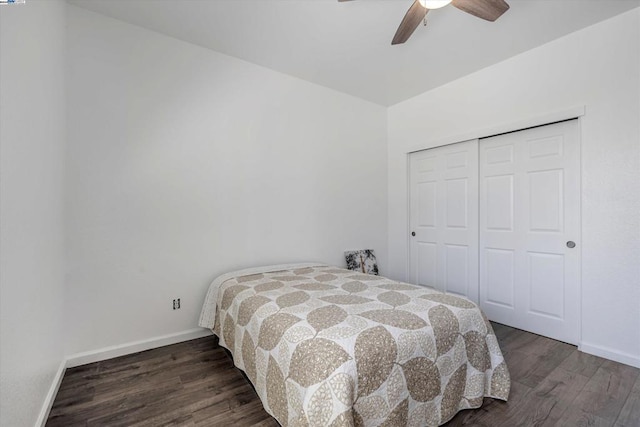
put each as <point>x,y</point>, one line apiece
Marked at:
<point>363,260</point>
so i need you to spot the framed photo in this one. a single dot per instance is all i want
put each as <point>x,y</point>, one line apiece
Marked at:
<point>363,260</point>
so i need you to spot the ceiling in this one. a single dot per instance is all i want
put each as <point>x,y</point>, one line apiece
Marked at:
<point>347,46</point>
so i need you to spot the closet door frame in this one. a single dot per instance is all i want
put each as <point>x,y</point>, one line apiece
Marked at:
<point>576,112</point>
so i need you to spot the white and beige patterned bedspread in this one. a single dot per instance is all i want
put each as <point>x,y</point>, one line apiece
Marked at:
<point>325,346</point>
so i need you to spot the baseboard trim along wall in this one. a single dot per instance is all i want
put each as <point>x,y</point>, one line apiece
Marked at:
<point>134,347</point>
<point>51,395</point>
<point>607,353</point>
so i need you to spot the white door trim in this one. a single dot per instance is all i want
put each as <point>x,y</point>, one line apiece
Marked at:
<point>524,123</point>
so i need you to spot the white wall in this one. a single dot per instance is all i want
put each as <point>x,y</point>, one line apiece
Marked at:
<point>185,163</point>
<point>598,67</point>
<point>32,150</point>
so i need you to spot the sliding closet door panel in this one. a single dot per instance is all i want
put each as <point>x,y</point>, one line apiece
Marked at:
<point>444,218</point>
<point>529,215</point>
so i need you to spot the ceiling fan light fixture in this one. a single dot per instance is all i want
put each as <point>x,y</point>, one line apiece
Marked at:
<point>434,4</point>
<point>489,10</point>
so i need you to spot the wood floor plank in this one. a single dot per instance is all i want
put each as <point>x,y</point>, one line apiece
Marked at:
<point>630,413</point>
<point>247,414</point>
<point>517,340</point>
<point>195,383</point>
<point>553,396</point>
<point>134,405</point>
<point>545,359</point>
<point>575,416</point>
<point>223,402</point>
<point>248,411</point>
<point>607,391</point>
<point>582,363</point>
<point>501,331</point>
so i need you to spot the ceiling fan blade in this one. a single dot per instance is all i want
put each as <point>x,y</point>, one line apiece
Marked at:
<point>410,22</point>
<point>489,10</point>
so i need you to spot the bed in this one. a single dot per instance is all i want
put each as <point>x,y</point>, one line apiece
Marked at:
<point>325,346</point>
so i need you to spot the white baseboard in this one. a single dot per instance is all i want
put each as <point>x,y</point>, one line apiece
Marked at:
<point>134,347</point>
<point>607,353</point>
<point>51,395</point>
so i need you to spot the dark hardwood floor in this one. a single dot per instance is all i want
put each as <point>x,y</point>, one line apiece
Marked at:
<point>195,384</point>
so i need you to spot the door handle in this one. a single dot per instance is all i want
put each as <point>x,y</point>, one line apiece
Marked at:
<point>571,244</point>
<point>413,233</point>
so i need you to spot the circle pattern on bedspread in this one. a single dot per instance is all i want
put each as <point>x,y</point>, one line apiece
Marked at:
<point>314,360</point>
<point>393,298</point>
<point>445,328</point>
<point>273,328</point>
<point>374,366</point>
<point>291,299</point>
<point>423,379</point>
<point>326,317</point>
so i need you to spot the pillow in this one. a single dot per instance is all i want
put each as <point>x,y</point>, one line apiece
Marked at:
<point>363,260</point>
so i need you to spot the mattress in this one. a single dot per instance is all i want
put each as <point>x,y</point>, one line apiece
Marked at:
<point>325,346</point>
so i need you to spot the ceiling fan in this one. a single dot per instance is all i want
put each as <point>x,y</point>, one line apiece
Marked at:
<point>489,10</point>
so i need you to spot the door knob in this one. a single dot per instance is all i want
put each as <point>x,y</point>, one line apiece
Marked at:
<point>571,244</point>
<point>413,233</point>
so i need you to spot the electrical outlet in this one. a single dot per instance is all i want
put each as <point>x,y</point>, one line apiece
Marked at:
<point>176,304</point>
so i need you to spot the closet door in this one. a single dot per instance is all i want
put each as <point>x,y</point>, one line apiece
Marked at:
<point>530,230</point>
<point>443,241</point>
